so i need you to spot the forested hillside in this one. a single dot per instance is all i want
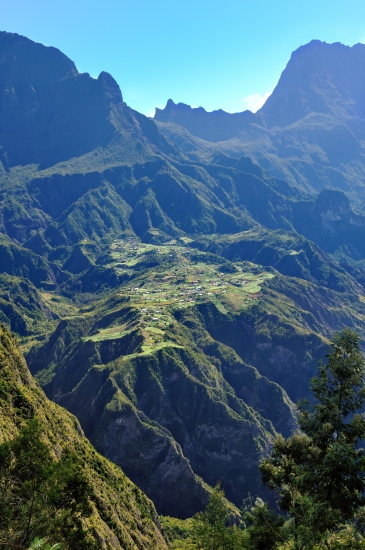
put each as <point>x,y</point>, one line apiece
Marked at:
<point>119,514</point>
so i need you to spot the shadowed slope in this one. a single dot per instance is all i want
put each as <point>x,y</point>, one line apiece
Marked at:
<point>310,131</point>
<point>55,112</point>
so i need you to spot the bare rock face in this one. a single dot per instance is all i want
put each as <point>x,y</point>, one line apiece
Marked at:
<point>327,79</point>
<point>319,78</point>
<point>215,126</point>
<point>310,131</point>
<point>111,87</point>
<point>154,460</point>
<point>48,106</point>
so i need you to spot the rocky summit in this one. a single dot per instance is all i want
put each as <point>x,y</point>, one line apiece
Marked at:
<point>173,282</point>
<point>309,132</point>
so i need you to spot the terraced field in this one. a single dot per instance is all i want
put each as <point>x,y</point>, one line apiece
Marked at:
<point>176,282</point>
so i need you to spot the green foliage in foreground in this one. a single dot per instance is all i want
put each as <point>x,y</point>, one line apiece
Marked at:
<point>318,473</point>
<point>207,530</point>
<point>39,496</point>
<point>122,517</point>
<point>42,544</point>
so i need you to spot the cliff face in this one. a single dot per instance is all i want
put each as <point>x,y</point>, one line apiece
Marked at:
<point>319,78</point>
<point>55,112</point>
<point>167,414</point>
<point>215,126</point>
<point>191,367</point>
<point>48,106</point>
<point>327,79</point>
<point>117,503</point>
<point>310,131</point>
<point>186,373</point>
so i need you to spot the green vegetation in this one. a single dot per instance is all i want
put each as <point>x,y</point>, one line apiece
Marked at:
<point>318,473</point>
<point>169,297</point>
<point>208,530</point>
<point>178,282</point>
<point>42,544</point>
<point>41,496</point>
<point>22,307</point>
<point>45,457</point>
<point>183,314</point>
<point>147,340</point>
<point>289,253</point>
<point>177,328</point>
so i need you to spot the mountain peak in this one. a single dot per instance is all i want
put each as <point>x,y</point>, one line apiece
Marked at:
<point>19,53</point>
<point>111,87</point>
<point>213,126</point>
<point>322,78</point>
<point>56,111</point>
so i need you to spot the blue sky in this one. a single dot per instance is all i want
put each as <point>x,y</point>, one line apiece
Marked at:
<point>225,54</point>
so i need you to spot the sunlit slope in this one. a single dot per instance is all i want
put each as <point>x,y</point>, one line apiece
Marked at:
<point>187,362</point>
<point>175,298</point>
<point>122,516</point>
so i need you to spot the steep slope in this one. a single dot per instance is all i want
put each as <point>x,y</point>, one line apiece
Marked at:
<point>122,516</point>
<point>195,360</point>
<point>22,306</point>
<point>59,113</point>
<point>319,78</point>
<point>189,338</point>
<point>310,131</point>
<point>288,252</point>
<point>215,126</point>
<point>141,370</point>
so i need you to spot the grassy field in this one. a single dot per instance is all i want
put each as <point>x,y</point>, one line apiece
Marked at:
<point>161,280</point>
<point>176,282</point>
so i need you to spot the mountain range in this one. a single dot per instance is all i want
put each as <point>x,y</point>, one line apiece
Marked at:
<point>310,131</point>
<point>174,281</point>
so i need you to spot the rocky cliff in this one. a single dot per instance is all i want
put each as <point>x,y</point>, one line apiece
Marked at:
<point>310,131</point>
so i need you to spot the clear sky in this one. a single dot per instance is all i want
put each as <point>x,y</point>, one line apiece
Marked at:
<point>225,54</point>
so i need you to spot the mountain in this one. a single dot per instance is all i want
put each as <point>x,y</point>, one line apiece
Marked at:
<point>320,78</point>
<point>144,371</point>
<point>215,126</point>
<point>174,286</point>
<point>56,112</point>
<point>122,516</point>
<point>310,131</point>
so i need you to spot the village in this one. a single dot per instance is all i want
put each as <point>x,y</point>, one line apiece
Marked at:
<point>176,283</point>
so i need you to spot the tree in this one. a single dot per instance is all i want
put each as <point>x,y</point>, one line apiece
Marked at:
<point>319,473</point>
<point>264,528</point>
<point>211,529</point>
<point>42,544</point>
<point>40,496</point>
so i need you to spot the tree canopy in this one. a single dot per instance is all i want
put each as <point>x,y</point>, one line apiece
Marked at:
<point>319,472</point>
<point>40,496</point>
